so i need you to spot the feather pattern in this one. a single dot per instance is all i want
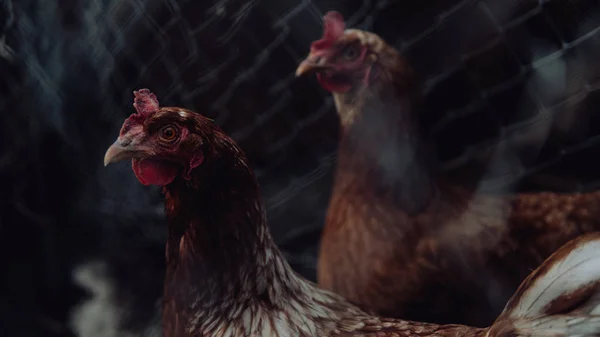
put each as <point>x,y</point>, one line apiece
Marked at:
<point>555,288</point>
<point>561,297</point>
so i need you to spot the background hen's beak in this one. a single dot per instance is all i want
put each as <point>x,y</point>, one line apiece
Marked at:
<point>311,64</point>
<point>119,150</point>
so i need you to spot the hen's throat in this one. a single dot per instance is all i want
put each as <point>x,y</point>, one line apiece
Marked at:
<point>382,153</point>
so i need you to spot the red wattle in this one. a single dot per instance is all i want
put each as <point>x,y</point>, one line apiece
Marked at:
<point>332,85</point>
<point>154,171</point>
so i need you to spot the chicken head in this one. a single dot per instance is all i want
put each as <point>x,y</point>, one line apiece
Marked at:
<point>345,59</point>
<point>161,142</point>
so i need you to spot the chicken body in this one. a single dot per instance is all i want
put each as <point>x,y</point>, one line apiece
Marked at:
<point>459,259</point>
<point>225,276</point>
<point>400,240</point>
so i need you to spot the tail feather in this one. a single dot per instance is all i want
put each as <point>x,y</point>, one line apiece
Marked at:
<point>559,325</point>
<point>561,297</point>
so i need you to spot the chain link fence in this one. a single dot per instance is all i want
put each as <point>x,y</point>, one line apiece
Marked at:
<point>511,86</point>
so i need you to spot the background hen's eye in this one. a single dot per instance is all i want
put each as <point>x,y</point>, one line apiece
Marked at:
<point>350,52</point>
<point>168,133</point>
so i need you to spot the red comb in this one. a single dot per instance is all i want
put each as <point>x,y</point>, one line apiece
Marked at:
<point>145,102</point>
<point>334,28</point>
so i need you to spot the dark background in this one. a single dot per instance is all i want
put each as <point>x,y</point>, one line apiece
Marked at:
<point>511,88</point>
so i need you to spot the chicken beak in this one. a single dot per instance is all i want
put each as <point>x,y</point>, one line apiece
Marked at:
<point>119,150</point>
<point>312,64</point>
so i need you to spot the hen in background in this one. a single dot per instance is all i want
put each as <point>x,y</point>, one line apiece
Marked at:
<point>226,277</point>
<point>400,238</point>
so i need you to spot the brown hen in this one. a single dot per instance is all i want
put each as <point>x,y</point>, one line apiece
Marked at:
<point>401,240</point>
<point>226,277</point>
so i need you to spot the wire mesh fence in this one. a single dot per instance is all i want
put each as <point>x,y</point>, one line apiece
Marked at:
<point>510,85</point>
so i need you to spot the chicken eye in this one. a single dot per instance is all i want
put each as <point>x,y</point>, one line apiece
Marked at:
<point>351,52</point>
<point>168,134</point>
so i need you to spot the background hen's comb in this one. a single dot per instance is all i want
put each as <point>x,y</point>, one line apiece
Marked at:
<point>145,102</point>
<point>334,28</point>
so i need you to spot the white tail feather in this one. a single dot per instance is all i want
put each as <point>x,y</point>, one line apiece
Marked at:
<point>560,298</point>
<point>559,325</point>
